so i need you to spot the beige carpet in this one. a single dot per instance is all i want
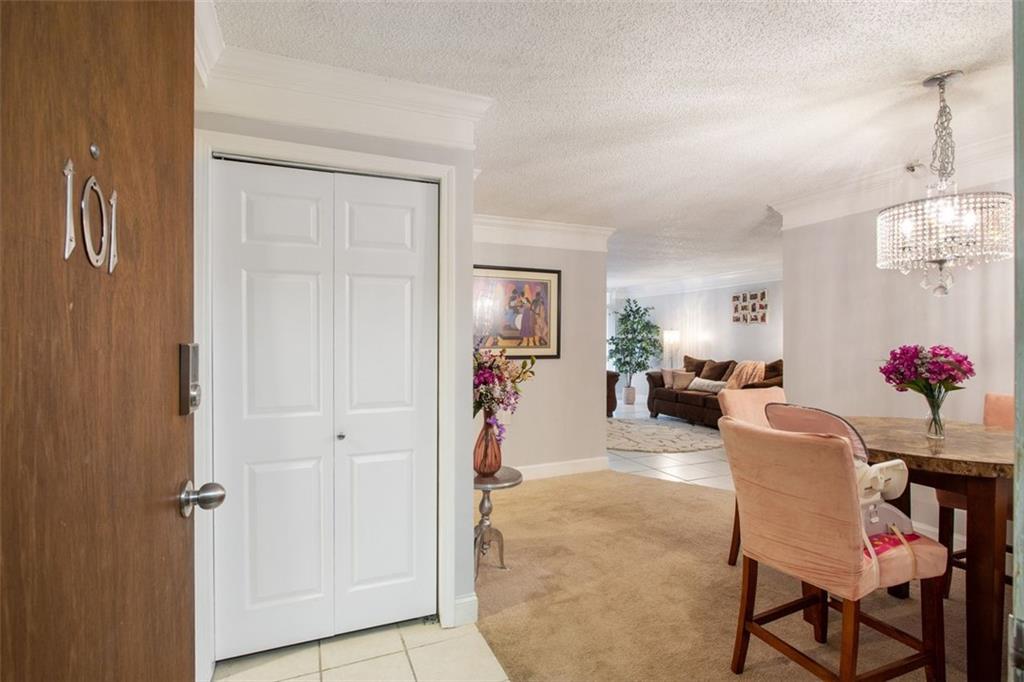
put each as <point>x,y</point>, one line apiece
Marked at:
<point>665,434</point>
<point>618,577</point>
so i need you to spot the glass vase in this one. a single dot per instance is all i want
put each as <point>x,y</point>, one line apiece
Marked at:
<point>487,451</point>
<point>936,429</point>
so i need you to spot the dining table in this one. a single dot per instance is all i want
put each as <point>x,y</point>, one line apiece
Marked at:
<point>976,461</point>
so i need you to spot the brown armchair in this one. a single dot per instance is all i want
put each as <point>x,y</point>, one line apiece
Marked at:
<point>613,378</point>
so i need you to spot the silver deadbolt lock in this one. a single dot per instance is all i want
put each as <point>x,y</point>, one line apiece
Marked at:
<point>210,496</point>
<point>190,394</point>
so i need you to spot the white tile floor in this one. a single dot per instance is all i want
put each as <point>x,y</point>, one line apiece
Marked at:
<point>414,651</point>
<point>707,467</point>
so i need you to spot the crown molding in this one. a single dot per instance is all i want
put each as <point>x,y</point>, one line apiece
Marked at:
<point>980,163</point>
<point>209,42</point>
<point>492,229</point>
<point>287,91</point>
<point>686,285</point>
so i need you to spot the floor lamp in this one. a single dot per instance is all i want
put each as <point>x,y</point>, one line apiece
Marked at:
<point>670,337</point>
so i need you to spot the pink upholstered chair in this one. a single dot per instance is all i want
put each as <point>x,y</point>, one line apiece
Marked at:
<point>999,414</point>
<point>798,503</point>
<point>999,410</point>
<point>746,404</point>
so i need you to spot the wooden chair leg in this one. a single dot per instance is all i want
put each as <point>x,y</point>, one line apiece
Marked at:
<point>747,594</point>
<point>817,615</point>
<point>734,548</point>
<point>821,630</point>
<point>947,517</point>
<point>933,632</point>
<point>851,641</point>
<point>811,612</point>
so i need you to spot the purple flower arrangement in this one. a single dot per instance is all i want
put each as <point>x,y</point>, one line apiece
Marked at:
<point>496,380</point>
<point>933,372</point>
<point>916,368</point>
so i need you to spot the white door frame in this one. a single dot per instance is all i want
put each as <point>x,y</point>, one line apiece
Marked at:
<point>206,144</point>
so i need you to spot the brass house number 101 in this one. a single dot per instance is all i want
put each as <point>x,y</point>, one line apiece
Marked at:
<point>108,232</point>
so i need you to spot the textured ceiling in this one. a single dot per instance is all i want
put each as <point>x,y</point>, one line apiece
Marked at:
<point>676,123</point>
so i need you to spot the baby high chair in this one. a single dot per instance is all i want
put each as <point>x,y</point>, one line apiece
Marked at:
<point>875,482</point>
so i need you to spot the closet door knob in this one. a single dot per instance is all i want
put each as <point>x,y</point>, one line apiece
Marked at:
<point>341,436</point>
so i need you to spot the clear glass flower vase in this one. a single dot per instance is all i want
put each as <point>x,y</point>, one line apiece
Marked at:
<point>936,429</point>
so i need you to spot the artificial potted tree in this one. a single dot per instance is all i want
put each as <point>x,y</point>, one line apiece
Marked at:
<point>636,342</point>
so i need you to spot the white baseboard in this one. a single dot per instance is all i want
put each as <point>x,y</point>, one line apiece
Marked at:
<point>466,609</point>
<point>563,468</point>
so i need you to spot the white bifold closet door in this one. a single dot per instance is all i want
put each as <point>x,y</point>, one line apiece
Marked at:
<point>324,403</point>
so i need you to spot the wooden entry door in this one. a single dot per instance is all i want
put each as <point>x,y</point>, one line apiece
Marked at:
<point>96,564</point>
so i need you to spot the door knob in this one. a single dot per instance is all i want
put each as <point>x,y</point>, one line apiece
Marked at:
<point>210,496</point>
<point>341,436</point>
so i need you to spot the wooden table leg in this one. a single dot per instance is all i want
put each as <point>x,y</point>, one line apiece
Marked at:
<point>902,503</point>
<point>987,500</point>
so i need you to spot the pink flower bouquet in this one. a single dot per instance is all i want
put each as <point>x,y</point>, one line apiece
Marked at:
<point>496,381</point>
<point>933,372</point>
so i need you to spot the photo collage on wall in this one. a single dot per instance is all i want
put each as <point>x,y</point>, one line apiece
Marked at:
<point>750,307</point>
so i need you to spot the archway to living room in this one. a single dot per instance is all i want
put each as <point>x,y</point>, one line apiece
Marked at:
<point>697,338</point>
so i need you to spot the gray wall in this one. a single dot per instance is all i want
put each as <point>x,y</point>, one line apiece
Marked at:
<point>463,162</point>
<point>843,315</point>
<point>561,415</point>
<point>704,320</point>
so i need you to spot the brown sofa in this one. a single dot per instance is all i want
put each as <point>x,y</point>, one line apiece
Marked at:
<point>612,403</point>
<point>699,407</point>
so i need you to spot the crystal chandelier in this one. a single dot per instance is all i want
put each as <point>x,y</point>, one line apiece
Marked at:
<point>947,229</point>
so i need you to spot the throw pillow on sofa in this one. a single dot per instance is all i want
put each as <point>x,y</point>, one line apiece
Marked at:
<point>773,369</point>
<point>729,372</point>
<point>693,364</point>
<point>717,371</point>
<point>706,385</point>
<point>681,380</point>
<point>666,376</point>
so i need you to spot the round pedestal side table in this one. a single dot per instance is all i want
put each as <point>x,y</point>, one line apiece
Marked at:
<point>485,533</point>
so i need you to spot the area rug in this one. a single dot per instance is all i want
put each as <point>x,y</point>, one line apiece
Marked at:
<point>660,435</point>
<point>614,577</point>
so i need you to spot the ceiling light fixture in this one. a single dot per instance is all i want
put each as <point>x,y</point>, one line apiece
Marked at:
<point>946,229</point>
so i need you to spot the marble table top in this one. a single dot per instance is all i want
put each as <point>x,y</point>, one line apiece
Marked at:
<point>968,449</point>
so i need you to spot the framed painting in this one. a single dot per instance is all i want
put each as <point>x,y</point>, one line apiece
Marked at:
<point>518,310</point>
